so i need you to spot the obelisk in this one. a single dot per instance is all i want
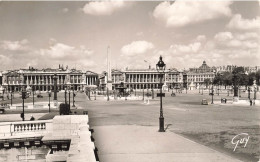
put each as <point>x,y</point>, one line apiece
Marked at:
<point>108,76</point>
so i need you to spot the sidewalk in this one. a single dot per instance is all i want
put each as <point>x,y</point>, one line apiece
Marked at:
<point>132,143</point>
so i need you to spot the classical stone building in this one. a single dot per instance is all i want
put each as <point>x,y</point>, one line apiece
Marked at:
<point>196,76</point>
<point>15,80</point>
<point>144,78</point>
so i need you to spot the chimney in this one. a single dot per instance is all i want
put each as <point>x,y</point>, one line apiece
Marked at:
<point>149,66</point>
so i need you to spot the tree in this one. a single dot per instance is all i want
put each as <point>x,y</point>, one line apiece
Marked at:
<point>251,78</point>
<point>218,79</point>
<point>257,77</point>
<point>239,77</point>
<point>207,82</point>
<point>226,79</point>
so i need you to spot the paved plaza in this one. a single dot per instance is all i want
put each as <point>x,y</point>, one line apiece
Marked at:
<point>126,130</point>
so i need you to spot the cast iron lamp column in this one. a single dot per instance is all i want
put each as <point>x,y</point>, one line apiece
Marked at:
<point>73,98</point>
<point>160,67</point>
<point>69,98</point>
<point>33,94</point>
<point>11,98</point>
<point>23,97</point>
<point>49,101</point>
<point>66,96</point>
<point>212,90</point>
<point>249,93</point>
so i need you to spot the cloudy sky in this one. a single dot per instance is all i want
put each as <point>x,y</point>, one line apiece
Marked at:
<point>77,34</point>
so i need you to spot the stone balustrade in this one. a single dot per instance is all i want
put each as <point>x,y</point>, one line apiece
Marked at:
<point>18,128</point>
<point>29,127</point>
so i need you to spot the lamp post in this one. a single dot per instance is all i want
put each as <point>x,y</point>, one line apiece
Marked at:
<point>96,94</point>
<point>69,98</point>
<point>160,67</point>
<point>65,96</point>
<point>73,98</point>
<point>107,95</point>
<point>143,93</point>
<point>212,90</point>
<point>23,97</point>
<point>249,93</point>
<point>49,93</point>
<point>11,98</point>
<point>33,93</point>
<point>152,94</point>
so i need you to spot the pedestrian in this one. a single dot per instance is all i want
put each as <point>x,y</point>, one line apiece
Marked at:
<point>250,102</point>
<point>32,118</point>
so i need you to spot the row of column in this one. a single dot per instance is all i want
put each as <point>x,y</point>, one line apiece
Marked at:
<point>91,80</point>
<point>116,78</point>
<point>147,78</point>
<point>48,79</point>
<point>142,78</point>
<point>143,86</point>
<point>75,79</point>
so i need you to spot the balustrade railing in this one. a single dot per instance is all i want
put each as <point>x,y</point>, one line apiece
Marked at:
<point>29,127</point>
<point>13,128</point>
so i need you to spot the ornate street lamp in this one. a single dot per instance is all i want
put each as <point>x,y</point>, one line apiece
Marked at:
<point>249,93</point>
<point>49,93</point>
<point>160,67</point>
<point>96,94</point>
<point>33,93</point>
<point>73,98</point>
<point>69,97</point>
<point>23,97</point>
<point>65,96</point>
<point>212,90</point>
<point>11,98</point>
<point>143,93</point>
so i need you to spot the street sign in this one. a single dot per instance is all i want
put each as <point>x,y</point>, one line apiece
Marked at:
<point>160,94</point>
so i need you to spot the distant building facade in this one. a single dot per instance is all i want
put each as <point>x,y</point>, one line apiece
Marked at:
<point>144,78</point>
<point>196,76</point>
<point>42,80</point>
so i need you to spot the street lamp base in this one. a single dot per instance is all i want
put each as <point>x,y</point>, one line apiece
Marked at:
<point>161,124</point>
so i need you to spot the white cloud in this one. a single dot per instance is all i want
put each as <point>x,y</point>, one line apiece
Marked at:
<point>201,38</point>
<point>181,13</point>
<point>237,22</point>
<point>136,47</point>
<point>190,48</point>
<point>65,10</point>
<point>103,7</point>
<point>245,36</point>
<point>14,45</point>
<point>223,36</point>
<point>241,41</point>
<point>63,51</point>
